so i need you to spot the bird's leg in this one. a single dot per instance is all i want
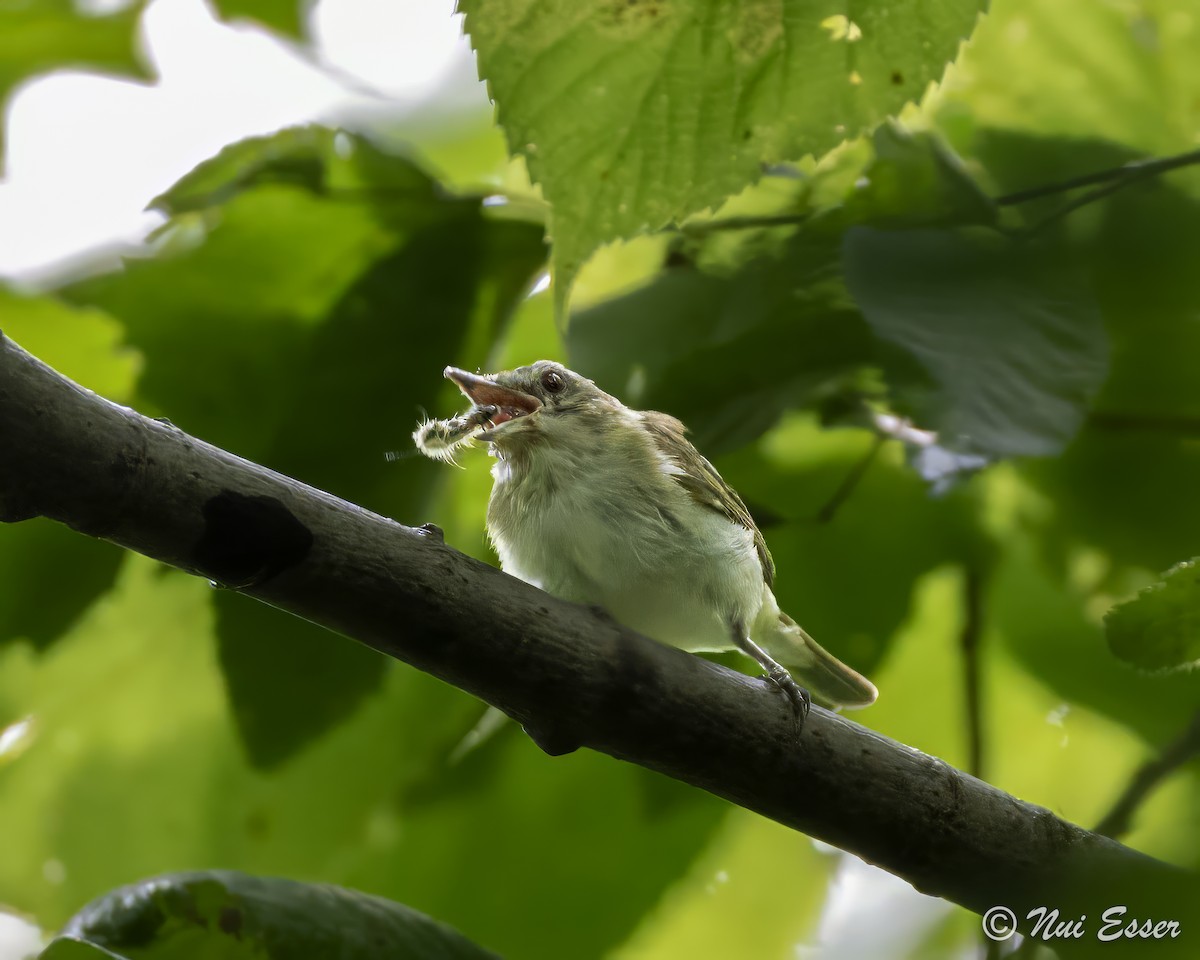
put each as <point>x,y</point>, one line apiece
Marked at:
<point>777,674</point>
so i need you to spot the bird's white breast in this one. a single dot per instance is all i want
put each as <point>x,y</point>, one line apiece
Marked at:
<point>621,533</point>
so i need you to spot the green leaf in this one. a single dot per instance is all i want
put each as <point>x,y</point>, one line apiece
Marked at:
<point>1022,69</point>
<point>284,258</point>
<point>225,914</point>
<point>632,115</point>
<point>349,282</point>
<point>768,323</point>
<point>914,179</point>
<point>1126,487</point>
<point>313,158</point>
<point>288,680</point>
<point>50,35</point>
<point>751,860</point>
<point>727,354</point>
<point>297,156</point>
<point>132,766</point>
<point>1144,259</point>
<point>68,948</point>
<point>38,553</point>
<point>286,17</point>
<point>1127,491</point>
<point>1160,628</point>
<point>1006,336</point>
<point>86,345</point>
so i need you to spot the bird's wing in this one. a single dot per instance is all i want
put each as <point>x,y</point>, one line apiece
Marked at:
<point>702,481</point>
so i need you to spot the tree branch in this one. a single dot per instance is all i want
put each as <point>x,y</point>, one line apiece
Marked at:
<point>571,676</point>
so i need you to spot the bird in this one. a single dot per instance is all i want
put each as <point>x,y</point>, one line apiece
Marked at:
<point>601,504</point>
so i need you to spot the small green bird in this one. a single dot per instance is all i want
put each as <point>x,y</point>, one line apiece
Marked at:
<point>600,504</point>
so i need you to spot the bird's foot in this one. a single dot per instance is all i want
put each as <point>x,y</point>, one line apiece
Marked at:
<point>799,697</point>
<point>777,674</point>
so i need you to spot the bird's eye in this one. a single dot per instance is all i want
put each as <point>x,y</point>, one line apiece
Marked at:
<point>553,382</point>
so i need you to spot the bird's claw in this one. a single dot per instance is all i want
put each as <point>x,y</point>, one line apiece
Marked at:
<point>800,698</point>
<point>777,674</point>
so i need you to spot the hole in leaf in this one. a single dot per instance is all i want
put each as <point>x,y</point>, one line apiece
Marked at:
<point>841,27</point>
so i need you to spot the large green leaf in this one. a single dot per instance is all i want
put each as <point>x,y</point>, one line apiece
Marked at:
<point>50,35</point>
<point>297,155</point>
<point>37,553</point>
<point>750,325</point>
<point>728,353</point>
<point>288,680</point>
<point>914,179</point>
<point>84,344</point>
<point>132,767</point>
<point>635,114</point>
<point>1007,334</point>
<point>1029,64</point>
<point>284,258</point>
<point>349,281</point>
<point>323,161</point>
<point>1126,486</point>
<point>1119,503</point>
<point>1143,268</point>
<point>1160,628</point>
<point>223,914</point>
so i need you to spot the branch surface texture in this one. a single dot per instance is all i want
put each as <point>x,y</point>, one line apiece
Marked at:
<point>570,675</point>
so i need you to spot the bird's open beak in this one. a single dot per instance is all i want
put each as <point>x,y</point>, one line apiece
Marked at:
<point>484,392</point>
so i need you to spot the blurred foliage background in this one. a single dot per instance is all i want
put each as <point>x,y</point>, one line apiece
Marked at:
<point>737,241</point>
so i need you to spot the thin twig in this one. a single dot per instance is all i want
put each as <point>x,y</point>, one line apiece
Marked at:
<point>1148,422</point>
<point>1135,170</point>
<point>850,481</point>
<point>1079,202</point>
<point>1118,820</point>
<point>887,426</point>
<point>969,643</point>
<point>1113,179</point>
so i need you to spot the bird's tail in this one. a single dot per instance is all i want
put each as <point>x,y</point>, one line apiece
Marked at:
<point>828,679</point>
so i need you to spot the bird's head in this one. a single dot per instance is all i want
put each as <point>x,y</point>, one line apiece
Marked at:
<point>537,404</point>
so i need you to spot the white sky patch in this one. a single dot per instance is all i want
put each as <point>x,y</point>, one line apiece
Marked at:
<point>870,913</point>
<point>18,938</point>
<point>87,153</point>
<point>407,49</point>
<point>15,737</point>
